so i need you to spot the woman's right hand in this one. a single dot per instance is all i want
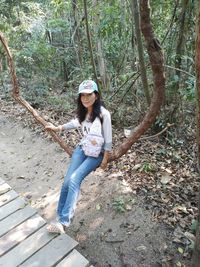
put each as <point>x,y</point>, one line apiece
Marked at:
<point>50,126</point>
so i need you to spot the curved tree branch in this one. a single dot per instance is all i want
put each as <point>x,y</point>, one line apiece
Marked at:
<point>157,65</point>
<point>90,43</point>
<point>23,102</point>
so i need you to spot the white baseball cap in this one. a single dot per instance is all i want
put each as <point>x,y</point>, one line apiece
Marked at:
<point>88,87</point>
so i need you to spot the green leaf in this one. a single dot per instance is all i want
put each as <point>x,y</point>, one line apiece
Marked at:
<point>194,225</point>
<point>98,207</point>
<point>180,250</point>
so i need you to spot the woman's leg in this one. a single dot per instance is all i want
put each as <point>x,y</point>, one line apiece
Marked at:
<point>78,157</point>
<point>88,165</point>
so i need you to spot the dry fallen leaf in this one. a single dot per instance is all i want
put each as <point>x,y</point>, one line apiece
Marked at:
<point>141,248</point>
<point>98,207</point>
<point>165,178</point>
<point>128,207</point>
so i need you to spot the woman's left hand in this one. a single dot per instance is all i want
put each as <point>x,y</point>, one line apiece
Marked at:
<point>104,162</point>
<point>103,165</point>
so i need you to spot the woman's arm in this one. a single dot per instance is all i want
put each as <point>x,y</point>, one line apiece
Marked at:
<point>73,124</point>
<point>54,128</point>
<point>107,134</point>
<point>104,162</point>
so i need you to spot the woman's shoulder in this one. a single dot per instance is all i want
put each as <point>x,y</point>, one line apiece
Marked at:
<point>104,111</point>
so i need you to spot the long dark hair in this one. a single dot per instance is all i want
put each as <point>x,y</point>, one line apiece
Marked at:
<point>96,111</point>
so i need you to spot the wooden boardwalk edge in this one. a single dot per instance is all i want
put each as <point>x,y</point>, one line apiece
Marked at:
<point>24,240</point>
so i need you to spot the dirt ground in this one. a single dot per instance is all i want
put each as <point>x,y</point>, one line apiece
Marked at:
<point>35,166</point>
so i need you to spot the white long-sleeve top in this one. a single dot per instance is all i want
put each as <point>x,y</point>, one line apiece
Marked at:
<point>106,127</point>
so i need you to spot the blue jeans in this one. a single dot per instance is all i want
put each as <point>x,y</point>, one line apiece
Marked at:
<point>80,166</point>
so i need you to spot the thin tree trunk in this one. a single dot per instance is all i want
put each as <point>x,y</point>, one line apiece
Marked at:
<point>196,253</point>
<point>171,21</point>
<point>1,77</point>
<point>65,71</point>
<point>136,16</point>
<point>180,46</point>
<point>157,65</point>
<point>76,34</point>
<point>133,65</point>
<point>100,55</point>
<point>89,42</point>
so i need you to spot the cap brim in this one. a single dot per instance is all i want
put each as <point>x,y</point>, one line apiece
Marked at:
<point>86,91</point>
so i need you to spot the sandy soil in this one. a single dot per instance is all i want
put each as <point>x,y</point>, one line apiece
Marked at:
<point>34,167</point>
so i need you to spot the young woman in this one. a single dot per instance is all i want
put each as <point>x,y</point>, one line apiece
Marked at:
<point>89,112</point>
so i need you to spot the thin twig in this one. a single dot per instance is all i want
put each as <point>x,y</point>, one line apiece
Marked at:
<point>118,89</point>
<point>114,241</point>
<point>171,22</point>
<point>179,70</point>
<point>156,135</point>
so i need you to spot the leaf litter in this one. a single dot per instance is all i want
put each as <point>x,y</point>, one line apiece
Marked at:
<point>166,178</point>
<point>164,175</point>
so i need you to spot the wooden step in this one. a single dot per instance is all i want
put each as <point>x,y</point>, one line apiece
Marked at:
<point>20,233</point>
<point>15,219</point>
<point>25,241</point>
<point>4,188</point>
<point>52,253</point>
<point>12,206</point>
<point>7,197</point>
<point>74,259</point>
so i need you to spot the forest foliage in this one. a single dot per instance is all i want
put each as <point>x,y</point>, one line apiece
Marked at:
<point>49,42</point>
<point>50,46</point>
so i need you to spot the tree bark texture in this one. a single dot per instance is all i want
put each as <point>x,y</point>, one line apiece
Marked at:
<point>180,44</point>
<point>23,102</point>
<point>100,55</point>
<point>196,253</point>
<point>136,16</point>
<point>65,72</point>
<point>157,65</point>
<point>76,39</point>
<point>89,42</point>
<point>197,68</point>
<point>171,21</point>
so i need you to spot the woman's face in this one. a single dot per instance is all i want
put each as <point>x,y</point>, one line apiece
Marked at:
<point>88,99</point>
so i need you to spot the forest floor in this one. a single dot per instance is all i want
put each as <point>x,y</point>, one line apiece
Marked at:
<point>140,212</point>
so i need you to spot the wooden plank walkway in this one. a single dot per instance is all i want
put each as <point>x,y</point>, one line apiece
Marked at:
<point>24,240</point>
